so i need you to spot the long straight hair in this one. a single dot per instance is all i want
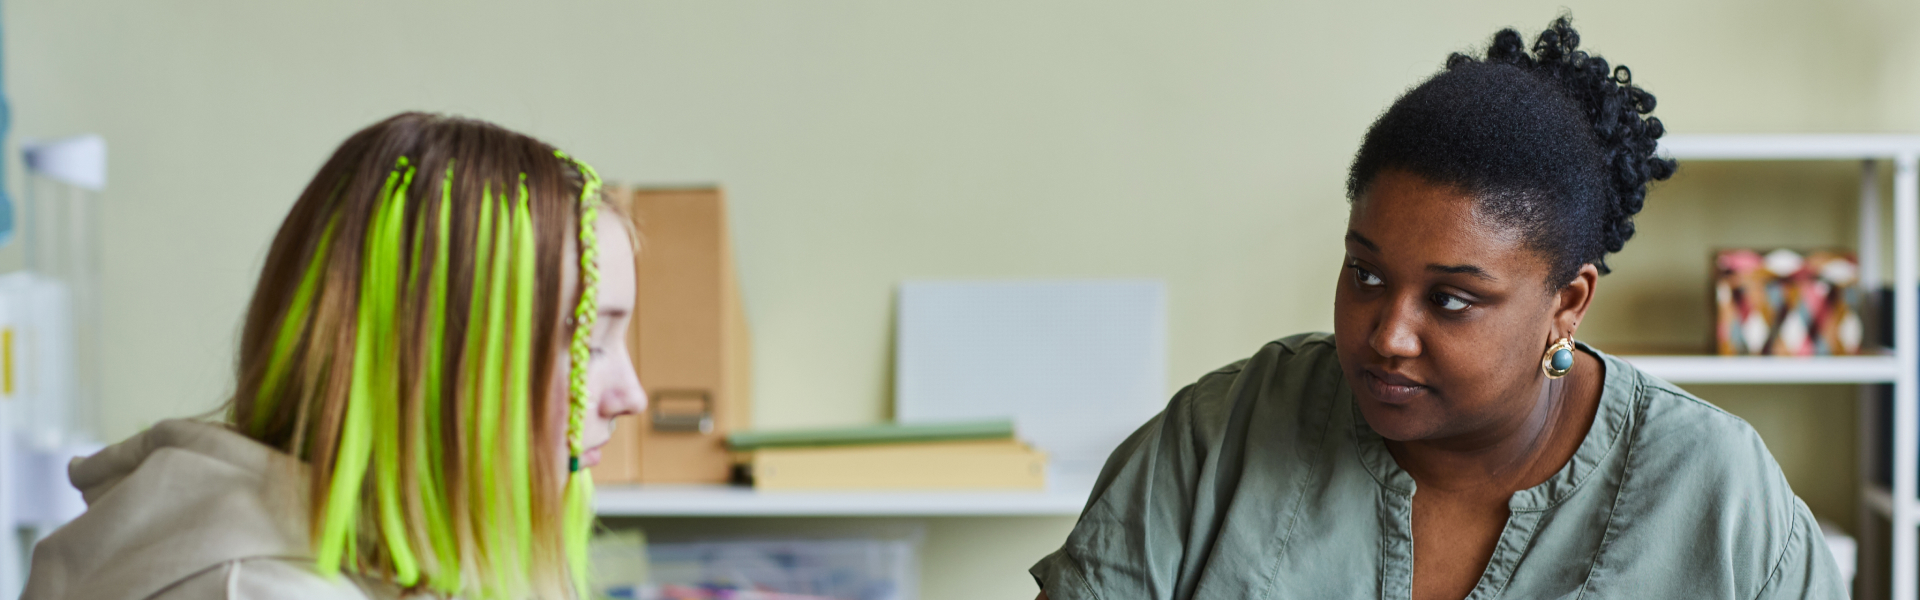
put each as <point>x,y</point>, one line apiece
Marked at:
<point>402,343</point>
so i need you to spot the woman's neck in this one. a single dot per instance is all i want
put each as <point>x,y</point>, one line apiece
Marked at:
<point>1517,453</point>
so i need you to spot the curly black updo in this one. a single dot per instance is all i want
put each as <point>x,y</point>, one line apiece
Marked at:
<point>1553,144</point>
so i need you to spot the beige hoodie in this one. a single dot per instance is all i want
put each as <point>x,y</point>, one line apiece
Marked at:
<point>187,510</point>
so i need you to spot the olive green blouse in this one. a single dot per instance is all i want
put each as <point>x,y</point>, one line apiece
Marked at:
<point>1261,480</point>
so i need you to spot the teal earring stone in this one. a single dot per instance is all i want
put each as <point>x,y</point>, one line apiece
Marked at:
<point>1558,360</point>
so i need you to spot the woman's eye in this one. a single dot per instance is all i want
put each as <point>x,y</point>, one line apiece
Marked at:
<point>596,350</point>
<point>1363,277</point>
<point>1448,302</point>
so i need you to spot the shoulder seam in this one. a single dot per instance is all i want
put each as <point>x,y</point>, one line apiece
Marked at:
<point>176,583</point>
<point>1684,396</point>
<point>1780,562</point>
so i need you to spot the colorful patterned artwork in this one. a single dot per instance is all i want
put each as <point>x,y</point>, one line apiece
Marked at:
<point>1787,303</point>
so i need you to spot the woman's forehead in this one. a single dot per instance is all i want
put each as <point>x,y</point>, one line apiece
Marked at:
<point>1404,219</point>
<point>616,264</point>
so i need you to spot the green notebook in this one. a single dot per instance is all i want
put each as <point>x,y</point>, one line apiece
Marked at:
<point>891,433</point>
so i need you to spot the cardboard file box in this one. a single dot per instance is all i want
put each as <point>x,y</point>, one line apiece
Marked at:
<point>689,342</point>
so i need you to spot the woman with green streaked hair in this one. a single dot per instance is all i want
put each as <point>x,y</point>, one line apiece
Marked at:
<point>434,353</point>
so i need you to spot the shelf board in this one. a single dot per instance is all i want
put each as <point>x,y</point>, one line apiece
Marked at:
<point>1685,369</point>
<point>1877,497</point>
<point>733,501</point>
<point>1788,146</point>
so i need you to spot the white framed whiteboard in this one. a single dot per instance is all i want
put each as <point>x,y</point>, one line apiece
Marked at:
<point>1077,364</point>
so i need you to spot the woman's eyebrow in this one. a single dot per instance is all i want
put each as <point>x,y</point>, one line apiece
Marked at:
<point>613,312</point>
<point>1355,237</point>
<point>1463,270</point>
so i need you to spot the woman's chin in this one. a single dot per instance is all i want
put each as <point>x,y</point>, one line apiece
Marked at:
<point>1397,422</point>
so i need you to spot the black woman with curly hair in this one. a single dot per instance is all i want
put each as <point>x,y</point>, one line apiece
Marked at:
<point>1450,439</point>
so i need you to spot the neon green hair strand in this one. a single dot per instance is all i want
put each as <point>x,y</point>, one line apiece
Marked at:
<point>366,390</point>
<point>428,454</point>
<point>519,426</point>
<point>268,396</point>
<point>386,253</point>
<point>491,338</point>
<point>579,494</point>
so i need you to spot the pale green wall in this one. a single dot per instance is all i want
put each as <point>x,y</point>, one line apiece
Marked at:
<point>866,142</point>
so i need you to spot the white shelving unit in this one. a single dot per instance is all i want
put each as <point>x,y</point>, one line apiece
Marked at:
<point>1065,495</point>
<point>727,501</point>
<point>1767,369</point>
<point>1900,367</point>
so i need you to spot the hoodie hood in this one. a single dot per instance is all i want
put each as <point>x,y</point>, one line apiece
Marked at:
<point>166,504</point>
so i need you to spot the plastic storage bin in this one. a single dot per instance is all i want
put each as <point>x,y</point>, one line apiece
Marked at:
<point>810,569</point>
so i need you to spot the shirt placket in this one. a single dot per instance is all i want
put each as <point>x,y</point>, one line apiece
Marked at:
<point>1396,544</point>
<point>1514,539</point>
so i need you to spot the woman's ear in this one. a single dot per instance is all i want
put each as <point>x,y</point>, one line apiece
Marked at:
<point>1571,302</point>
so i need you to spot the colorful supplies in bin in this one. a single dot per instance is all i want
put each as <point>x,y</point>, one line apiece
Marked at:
<point>1785,303</point>
<point>974,455</point>
<point>815,569</point>
<point>627,567</point>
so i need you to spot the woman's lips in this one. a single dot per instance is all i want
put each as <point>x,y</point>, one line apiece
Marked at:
<point>590,458</point>
<point>1393,389</point>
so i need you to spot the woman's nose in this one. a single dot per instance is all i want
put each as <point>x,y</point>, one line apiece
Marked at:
<point>1396,333</point>
<point>626,397</point>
